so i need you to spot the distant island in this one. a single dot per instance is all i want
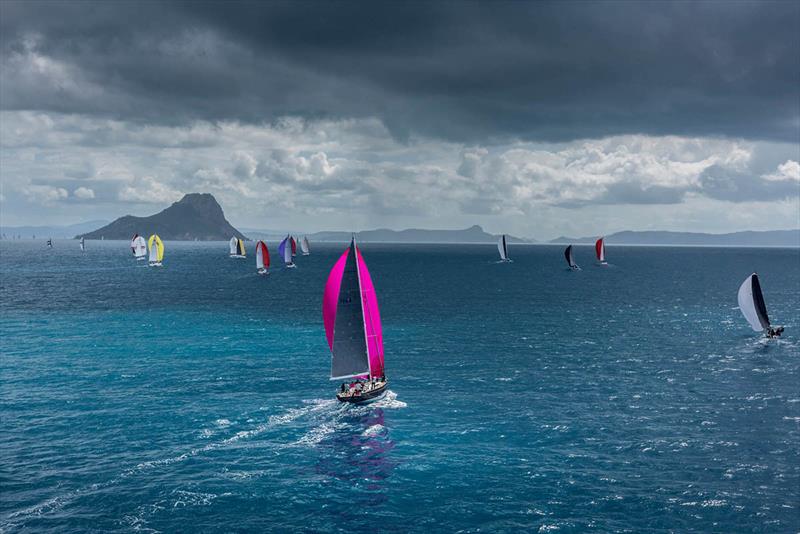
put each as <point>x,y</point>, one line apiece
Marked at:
<point>473,234</point>
<point>771,238</point>
<point>198,216</point>
<point>195,217</point>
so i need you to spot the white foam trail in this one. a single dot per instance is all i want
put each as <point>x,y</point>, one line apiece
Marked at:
<point>374,430</point>
<point>18,518</point>
<point>389,401</point>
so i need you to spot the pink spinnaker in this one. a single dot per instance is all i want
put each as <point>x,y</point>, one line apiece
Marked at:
<point>331,296</point>
<point>372,319</point>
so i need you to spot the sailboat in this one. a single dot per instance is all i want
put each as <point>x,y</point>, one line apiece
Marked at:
<point>353,328</point>
<point>156,250</point>
<point>237,248</point>
<point>285,251</point>
<point>262,258</point>
<point>139,247</point>
<point>294,246</point>
<point>751,303</point>
<point>571,259</point>
<point>304,246</point>
<point>49,242</point>
<point>83,245</point>
<point>502,246</point>
<point>600,250</point>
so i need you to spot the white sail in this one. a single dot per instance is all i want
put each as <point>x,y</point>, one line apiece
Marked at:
<point>502,248</point>
<point>139,246</point>
<point>83,245</point>
<point>287,251</point>
<point>259,256</point>
<point>751,303</point>
<point>153,253</point>
<point>304,246</point>
<point>233,244</point>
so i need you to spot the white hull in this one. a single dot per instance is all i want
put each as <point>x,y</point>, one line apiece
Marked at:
<point>290,266</point>
<point>306,254</point>
<point>263,271</point>
<point>140,258</point>
<point>155,264</point>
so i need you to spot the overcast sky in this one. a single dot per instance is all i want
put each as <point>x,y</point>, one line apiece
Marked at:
<point>537,119</point>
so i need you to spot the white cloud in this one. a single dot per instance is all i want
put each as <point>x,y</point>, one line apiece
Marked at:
<point>354,174</point>
<point>84,193</point>
<point>150,191</point>
<point>790,170</point>
<point>44,194</point>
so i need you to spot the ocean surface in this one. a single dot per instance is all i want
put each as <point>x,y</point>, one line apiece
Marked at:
<point>524,397</point>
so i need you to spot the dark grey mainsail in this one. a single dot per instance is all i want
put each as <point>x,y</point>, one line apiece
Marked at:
<point>568,256</point>
<point>758,300</point>
<point>349,341</point>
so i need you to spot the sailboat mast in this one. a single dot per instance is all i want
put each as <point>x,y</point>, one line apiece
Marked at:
<point>361,299</point>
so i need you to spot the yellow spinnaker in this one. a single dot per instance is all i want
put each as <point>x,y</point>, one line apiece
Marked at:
<point>159,245</point>
<point>242,250</point>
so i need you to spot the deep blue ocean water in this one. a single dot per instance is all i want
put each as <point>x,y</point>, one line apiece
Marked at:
<point>195,398</point>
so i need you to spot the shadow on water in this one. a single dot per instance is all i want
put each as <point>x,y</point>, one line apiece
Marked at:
<point>358,452</point>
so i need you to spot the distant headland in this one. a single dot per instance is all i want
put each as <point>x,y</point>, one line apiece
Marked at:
<point>197,216</point>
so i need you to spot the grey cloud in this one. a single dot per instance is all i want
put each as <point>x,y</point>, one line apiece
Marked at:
<point>639,193</point>
<point>727,184</point>
<point>462,71</point>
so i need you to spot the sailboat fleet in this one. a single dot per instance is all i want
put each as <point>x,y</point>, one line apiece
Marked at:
<point>352,319</point>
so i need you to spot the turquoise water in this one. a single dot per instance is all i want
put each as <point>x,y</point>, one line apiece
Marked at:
<point>523,396</point>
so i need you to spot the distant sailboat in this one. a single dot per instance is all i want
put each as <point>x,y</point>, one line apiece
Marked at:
<point>237,248</point>
<point>600,250</point>
<point>353,328</point>
<point>502,246</point>
<point>83,245</point>
<point>570,259</point>
<point>751,303</point>
<point>139,247</point>
<point>156,250</point>
<point>304,246</point>
<point>49,242</point>
<point>262,258</point>
<point>285,251</point>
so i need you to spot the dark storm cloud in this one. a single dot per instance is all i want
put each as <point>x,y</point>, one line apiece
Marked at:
<point>462,71</point>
